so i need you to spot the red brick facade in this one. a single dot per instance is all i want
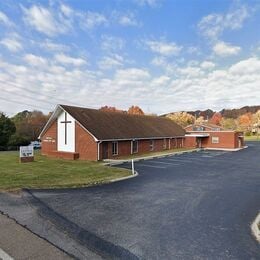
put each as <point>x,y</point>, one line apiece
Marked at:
<point>190,142</point>
<point>86,148</point>
<point>216,139</point>
<point>144,146</point>
<point>49,139</point>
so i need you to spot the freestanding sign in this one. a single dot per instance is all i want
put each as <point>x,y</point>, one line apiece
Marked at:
<point>26,154</point>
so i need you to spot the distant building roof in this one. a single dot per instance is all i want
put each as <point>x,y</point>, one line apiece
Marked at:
<point>212,127</point>
<point>104,125</point>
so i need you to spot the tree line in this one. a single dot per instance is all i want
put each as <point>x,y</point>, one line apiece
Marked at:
<point>25,127</point>
<point>248,122</point>
<point>20,129</point>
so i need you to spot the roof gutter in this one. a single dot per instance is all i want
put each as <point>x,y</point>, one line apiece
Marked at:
<point>141,138</point>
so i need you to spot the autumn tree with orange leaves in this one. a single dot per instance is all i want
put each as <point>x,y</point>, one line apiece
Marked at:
<point>111,109</point>
<point>135,110</point>
<point>245,122</point>
<point>216,119</point>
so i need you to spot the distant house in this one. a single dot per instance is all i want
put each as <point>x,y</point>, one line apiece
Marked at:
<point>90,134</point>
<point>213,137</point>
<point>204,127</point>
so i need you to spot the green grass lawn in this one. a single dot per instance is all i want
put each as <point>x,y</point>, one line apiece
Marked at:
<point>52,173</point>
<point>252,138</point>
<point>154,153</point>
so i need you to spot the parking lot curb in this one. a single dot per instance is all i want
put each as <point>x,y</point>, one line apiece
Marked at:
<point>255,227</point>
<point>226,149</point>
<point>118,162</point>
<point>34,234</point>
<point>125,178</point>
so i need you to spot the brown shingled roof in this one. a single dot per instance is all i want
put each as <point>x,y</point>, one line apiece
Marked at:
<point>113,125</point>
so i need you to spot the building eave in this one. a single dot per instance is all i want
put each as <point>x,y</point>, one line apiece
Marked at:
<point>141,138</point>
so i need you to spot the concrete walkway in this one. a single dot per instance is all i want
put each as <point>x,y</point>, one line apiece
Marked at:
<point>16,242</point>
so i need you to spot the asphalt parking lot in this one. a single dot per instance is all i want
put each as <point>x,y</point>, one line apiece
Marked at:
<point>191,206</point>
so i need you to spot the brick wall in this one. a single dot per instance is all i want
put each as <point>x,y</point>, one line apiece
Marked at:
<point>227,140</point>
<point>85,144</point>
<point>49,139</point>
<point>190,142</point>
<point>87,149</point>
<point>124,147</point>
<point>63,155</point>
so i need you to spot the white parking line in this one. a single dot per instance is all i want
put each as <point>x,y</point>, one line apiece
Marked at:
<point>148,165</point>
<point>4,255</point>
<point>190,159</point>
<point>164,162</point>
<point>177,160</point>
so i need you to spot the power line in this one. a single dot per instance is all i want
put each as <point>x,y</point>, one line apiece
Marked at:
<point>22,103</point>
<point>22,95</point>
<point>37,93</point>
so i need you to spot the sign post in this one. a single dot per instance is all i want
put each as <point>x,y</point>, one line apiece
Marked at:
<point>26,154</point>
<point>133,167</point>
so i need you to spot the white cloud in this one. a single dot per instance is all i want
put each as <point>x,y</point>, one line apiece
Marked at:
<point>248,67</point>
<point>66,10</point>
<point>159,61</point>
<point>237,85</point>
<point>110,62</point>
<point>128,20</point>
<point>43,20</point>
<point>164,48</point>
<point>132,74</point>
<point>213,25</point>
<point>207,65</point>
<point>224,49</point>
<point>53,46</point>
<point>89,20</point>
<point>193,50</point>
<point>4,19</point>
<point>12,43</point>
<point>34,60</point>
<point>151,3</point>
<point>112,43</point>
<point>67,60</point>
<point>160,81</point>
<point>191,72</point>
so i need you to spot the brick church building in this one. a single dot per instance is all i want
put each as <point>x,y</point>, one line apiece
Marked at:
<point>90,134</point>
<point>211,136</point>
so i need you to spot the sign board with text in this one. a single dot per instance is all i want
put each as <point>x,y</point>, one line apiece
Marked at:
<point>26,153</point>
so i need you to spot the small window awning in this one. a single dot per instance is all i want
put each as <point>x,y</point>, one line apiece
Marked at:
<point>197,135</point>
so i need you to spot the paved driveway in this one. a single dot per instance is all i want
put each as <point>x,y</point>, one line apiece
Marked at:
<point>192,206</point>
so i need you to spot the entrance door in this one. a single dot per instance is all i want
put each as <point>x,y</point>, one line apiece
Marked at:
<point>105,151</point>
<point>198,140</point>
<point>239,142</point>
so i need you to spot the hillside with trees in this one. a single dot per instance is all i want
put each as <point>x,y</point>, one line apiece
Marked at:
<point>246,119</point>
<point>21,129</point>
<point>26,126</point>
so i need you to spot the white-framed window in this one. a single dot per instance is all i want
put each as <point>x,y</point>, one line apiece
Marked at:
<point>151,145</point>
<point>114,148</point>
<point>164,143</point>
<point>135,146</point>
<point>214,139</point>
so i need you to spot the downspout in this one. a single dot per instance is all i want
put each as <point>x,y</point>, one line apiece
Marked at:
<point>99,142</point>
<point>131,146</point>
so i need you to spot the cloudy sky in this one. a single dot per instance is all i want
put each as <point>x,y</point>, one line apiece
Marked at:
<point>163,55</point>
